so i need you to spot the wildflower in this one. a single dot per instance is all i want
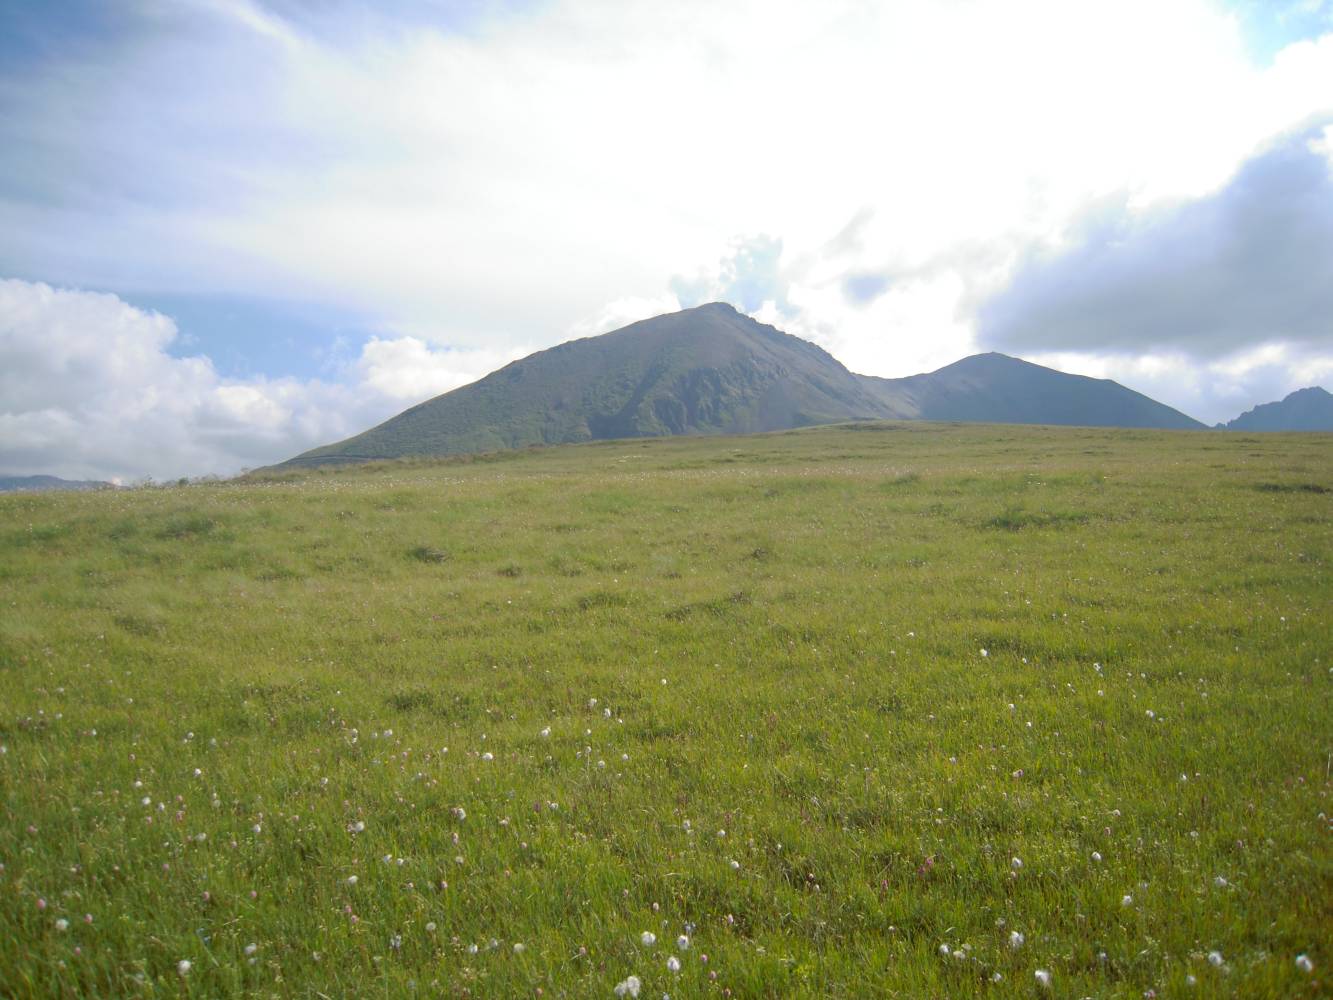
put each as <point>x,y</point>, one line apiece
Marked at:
<point>1096,855</point>
<point>735,865</point>
<point>518,947</point>
<point>673,964</point>
<point>488,756</point>
<point>62,924</point>
<point>944,950</point>
<point>546,731</point>
<point>430,926</point>
<point>351,880</point>
<point>648,938</point>
<point>1016,940</point>
<point>1127,900</point>
<point>458,812</point>
<point>1043,978</point>
<point>250,949</point>
<point>1304,964</point>
<point>683,943</point>
<point>1220,882</point>
<point>1015,863</point>
<point>1215,958</point>
<point>1190,980</point>
<point>183,967</point>
<point>628,987</point>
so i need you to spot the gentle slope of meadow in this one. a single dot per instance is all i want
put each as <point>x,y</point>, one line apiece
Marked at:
<point>915,710</point>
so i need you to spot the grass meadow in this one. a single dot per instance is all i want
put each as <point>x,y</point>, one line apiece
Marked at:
<point>885,710</point>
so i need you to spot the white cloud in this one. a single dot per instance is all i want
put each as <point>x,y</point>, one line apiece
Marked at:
<point>88,391</point>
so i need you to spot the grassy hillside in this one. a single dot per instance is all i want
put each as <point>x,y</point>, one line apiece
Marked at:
<point>706,370</point>
<point>894,709</point>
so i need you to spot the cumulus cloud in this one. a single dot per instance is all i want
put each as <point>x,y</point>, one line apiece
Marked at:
<point>88,390</point>
<point>1250,264</point>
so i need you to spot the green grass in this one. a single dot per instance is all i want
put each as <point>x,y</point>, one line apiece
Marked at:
<point>787,631</point>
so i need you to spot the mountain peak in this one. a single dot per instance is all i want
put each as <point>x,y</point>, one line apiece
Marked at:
<point>1308,409</point>
<point>712,369</point>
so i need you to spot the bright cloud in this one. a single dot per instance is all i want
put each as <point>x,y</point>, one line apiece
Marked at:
<point>86,377</point>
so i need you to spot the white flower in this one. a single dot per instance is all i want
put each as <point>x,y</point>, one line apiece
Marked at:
<point>518,947</point>
<point>62,924</point>
<point>606,713</point>
<point>985,652</point>
<point>1215,958</point>
<point>1304,964</point>
<point>628,987</point>
<point>1015,863</point>
<point>546,731</point>
<point>250,949</point>
<point>1190,980</point>
<point>183,967</point>
<point>1016,940</point>
<point>1096,855</point>
<point>351,880</point>
<point>673,964</point>
<point>592,703</point>
<point>430,926</point>
<point>945,950</point>
<point>735,865</point>
<point>1220,882</point>
<point>1126,900</point>
<point>648,938</point>
<point>458,812</point>
<point>1043,978</point>
<point>488,756</point>
<point>683,943</point>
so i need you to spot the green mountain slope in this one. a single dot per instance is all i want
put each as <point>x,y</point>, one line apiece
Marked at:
<point>995,388</point>
<point>713,370</point>
<point>1303,410</point>
<point>706,370</point>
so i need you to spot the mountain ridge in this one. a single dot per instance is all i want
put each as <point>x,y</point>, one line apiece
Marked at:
<point>713,370</point>
<point>1308,409</point>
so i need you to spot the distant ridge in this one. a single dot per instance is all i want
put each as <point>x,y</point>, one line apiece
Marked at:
<point>46,484</point>
<point>1308,409</point>
<point>995,388</point>
<point>713,370</point>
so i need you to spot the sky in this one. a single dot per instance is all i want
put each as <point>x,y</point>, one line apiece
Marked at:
<point>231,230</point>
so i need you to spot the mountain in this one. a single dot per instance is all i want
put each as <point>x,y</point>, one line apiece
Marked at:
<point>42,484</point>
<point>713,370</point>
<point>995,388</point>
<point>1304,410</point>
<point>708,370</point>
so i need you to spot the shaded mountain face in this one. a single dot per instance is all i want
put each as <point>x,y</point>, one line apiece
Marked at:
<point>708,370</point>
<point>713,370</point>
<point>995,388</point>
<point>1303,410</point>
